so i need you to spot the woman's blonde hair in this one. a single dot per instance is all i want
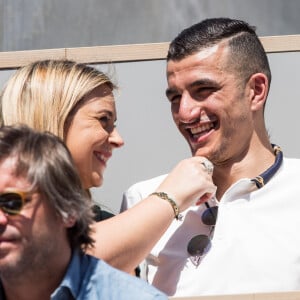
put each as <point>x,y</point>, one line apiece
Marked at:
<point>44,94</point>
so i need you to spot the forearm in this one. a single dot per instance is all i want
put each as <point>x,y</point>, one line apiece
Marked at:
<point>126,239</point>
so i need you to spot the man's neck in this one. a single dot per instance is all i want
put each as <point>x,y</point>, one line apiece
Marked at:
<point>37,284</point>
<point>253,164</point>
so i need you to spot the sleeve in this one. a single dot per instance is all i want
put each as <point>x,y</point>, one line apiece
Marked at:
<point>139,191</point>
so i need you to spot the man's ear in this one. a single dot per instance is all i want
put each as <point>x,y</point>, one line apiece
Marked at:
<point>69,221</point>
<point>259,87</point>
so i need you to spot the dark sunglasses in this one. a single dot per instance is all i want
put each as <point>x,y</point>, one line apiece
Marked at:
<point>12,203</point>
<point>201,242</point>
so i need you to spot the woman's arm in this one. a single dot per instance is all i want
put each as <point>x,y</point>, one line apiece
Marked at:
<point>125,239</point>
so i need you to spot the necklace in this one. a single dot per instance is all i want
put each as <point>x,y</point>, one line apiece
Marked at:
<point>200,244</point>
<point>264,177</point>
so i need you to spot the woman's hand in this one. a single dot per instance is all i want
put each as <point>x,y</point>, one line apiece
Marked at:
<point>190,182</point>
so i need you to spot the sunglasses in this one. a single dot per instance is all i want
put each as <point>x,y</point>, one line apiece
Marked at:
<point>200,243</point>
<point>12,203</point>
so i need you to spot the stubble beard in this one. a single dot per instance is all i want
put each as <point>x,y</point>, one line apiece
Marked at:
<point>31,260</point>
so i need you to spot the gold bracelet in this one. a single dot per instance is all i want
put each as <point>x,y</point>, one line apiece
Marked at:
<point>174,205</point>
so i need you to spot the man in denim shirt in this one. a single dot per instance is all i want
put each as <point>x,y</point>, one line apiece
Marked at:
<point>45,219</point>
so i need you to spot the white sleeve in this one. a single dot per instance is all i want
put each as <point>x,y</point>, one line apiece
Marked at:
<point>139,191</point>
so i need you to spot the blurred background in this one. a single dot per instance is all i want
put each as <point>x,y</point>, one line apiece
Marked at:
<point>40,24</point>
<point>152,144</point>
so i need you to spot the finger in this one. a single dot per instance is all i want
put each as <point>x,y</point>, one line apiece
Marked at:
<point>204,198</point>
<point>208,166</point>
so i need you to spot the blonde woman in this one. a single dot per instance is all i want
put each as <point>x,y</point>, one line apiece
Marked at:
<point>76,102</point>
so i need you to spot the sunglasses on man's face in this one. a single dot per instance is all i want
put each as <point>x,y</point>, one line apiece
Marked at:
<point>12,203</point>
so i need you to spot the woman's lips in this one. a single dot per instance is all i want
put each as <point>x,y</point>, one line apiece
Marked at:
<point>103,157</point>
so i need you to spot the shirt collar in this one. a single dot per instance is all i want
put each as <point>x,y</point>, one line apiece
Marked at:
<point>264,177</point>
<point>71,280</point>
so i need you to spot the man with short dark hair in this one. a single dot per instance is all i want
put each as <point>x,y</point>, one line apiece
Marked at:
<point>45,219</point>
<point>218,81</point>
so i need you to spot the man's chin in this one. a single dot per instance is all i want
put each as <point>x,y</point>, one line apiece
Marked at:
<point>8,262</point>
<point>199,152</point>
<point>204,151</point>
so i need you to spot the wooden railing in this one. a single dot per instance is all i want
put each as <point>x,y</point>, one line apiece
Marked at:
<point>125,53</point>
<point>261,296</point>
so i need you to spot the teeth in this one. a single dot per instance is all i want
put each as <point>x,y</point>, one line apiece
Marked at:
<point>201,128</point>
<point>101,157</point>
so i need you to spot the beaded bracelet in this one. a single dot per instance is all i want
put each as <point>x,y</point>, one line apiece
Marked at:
<point>174,205</point>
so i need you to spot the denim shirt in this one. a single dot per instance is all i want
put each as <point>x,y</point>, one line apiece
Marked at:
<point>90,278</point>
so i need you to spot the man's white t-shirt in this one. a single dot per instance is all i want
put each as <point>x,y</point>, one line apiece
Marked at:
<point>255,246</point>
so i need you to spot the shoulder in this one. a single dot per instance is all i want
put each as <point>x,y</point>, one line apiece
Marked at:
<point>100,214</point>
<point>291,165</point>
<point>288,175</point>
<point>140,190</point>
<point>111,283</point>
<point>146,186</point>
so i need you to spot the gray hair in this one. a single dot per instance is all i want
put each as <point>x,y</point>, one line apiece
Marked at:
<point>44,160</point>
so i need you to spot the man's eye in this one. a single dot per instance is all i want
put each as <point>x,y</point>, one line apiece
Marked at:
<point>204,92</point>
<point>175,99</point>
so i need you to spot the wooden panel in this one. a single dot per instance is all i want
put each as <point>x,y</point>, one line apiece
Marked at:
<point>118,53</point>
<point>15,59</point>
<point>283,43</point>
<point>125,53</point>
<point>260,296</point>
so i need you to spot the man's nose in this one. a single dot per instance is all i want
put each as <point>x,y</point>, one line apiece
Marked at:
<point>189,109</point>
<point>3,217</point>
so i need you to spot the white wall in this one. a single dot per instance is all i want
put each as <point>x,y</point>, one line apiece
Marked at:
<point>42,24</point>
<point>152,143</point>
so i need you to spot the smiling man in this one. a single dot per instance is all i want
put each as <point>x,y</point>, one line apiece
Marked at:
<point>218,81</point>
<point>45,219</point>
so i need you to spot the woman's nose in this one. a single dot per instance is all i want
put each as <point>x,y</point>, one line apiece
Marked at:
<point>115,139</point>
